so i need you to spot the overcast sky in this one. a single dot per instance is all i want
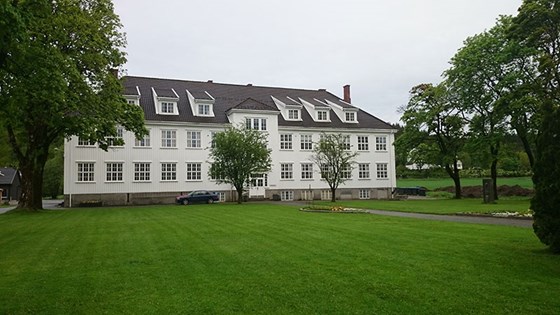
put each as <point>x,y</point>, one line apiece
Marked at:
<point>381,48</point>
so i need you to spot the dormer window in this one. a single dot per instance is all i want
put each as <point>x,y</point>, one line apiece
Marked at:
<point>167,107</point>
<point>165,101</point>
<point>350,116</point>
<point>322,115</point>
<point>293,114</point>
<point>204,109</point>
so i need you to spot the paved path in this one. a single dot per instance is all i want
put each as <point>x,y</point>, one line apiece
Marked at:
<point>526,223</point>
<point>47,204</point>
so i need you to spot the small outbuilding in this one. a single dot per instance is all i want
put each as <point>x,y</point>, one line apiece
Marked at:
<point>10,183</point>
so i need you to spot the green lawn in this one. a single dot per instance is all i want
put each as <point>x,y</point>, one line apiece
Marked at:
<point>267,259</point>
<point>432,183</point>
<point>437,206</point>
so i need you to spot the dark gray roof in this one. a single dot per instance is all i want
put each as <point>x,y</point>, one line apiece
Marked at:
<point>8,177</point>
<point>228,96</point>
<point>200,95</point>
<point>253,105</point>
<point>165,92</point>
<point>130,90</point>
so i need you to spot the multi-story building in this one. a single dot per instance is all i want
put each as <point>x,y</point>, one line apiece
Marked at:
<point>182,117</point>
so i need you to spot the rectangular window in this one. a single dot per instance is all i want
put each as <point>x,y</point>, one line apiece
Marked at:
<point>286,171</point>
<point>255,123</point>
<point>363,143</point>
<point>325,171</point>
<point>222,196</point>
<point>204,109</point>
<point>382,170</point>
<point>293,114</point>
<point>285,142</point>
<point>326,195</point>
<point>194,171</point>
<point>346,172</point>
<point>131,102</point>
<point>85,143</point>
<point>306,142</point>
<point>306,195</point>
<point>364,194</point>
<point>380,143</point>
<point>169,138</point>
<point>114,141</point>
<point>322,115</point>
<point>363,171</point>
<point>212,136</point>
<point>167,107</point>
<point>114,172</point>
<point>168,171</point>
<point>144,142</point>
<point>306,171</point>
<point>194,139</point>
<point>351,116</point>
<point>142,172</point>
<point>86,172</point>
<point>346,140</point>
<point>287,195</point>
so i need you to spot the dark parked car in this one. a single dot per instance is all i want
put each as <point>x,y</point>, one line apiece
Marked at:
<point>197,196</point>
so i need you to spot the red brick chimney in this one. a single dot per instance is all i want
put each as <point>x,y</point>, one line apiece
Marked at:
<point>347,93</point>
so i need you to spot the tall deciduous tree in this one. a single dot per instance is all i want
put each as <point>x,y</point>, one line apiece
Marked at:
<point>538,26</point>
<point>485,73</point>
<point>433,124</point>
<point>236,154</point>
<point>56,81</point>
<point>335,160</point>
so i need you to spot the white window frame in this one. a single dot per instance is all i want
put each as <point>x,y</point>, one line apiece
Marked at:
<point>85,143</point>
<point>380,143</point>
<point>306,195</point>
<point>204,110</point>
<point>364,194</point>
<point>382,170</point>
<point>142,172</point>
<point>320,114</point>
<point>346,142</point>
<point>293,114</point>
<point>167,107</point>
<point>326,194</point>
<point>168,138</point>
<point>168,171</point>
<point>363,171</point>
<point>286,141</point>
<point>120,135</point>
<point>114,172</point>
<point>363,143</point>
<point>350,116</point>
<point>306,171</point>
<point>194,139</point>
<point>193,171</point>
<point>286,171</point>
<point>346,173</point>
<point>86,172</point>
<point>287,195</point>
<point>306,142</point>
<point>256,123</point>
<point>221,196</point>
<point>145,142</point>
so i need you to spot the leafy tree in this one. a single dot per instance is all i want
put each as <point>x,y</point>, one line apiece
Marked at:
<point>537,26</point>
<point>485,73</point>
<point>237,154</point>
<point>56,81</point>
<point>335,160</point>
<point>53,175</point>
<point>546,202</point>
<point>434,126</point>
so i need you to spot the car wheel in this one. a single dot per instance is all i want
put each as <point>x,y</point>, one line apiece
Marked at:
<point>210,200</point>
<point>185,202</point>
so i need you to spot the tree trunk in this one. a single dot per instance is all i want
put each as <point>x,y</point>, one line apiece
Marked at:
<point>494,176</point>
<point>239,195</point>
<point>31,186</point>
<point>528,149</point>
<point>454,174</point>
<point>333,194</point>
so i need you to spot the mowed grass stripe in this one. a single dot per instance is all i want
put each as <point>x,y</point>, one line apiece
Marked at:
<point>259,258</point>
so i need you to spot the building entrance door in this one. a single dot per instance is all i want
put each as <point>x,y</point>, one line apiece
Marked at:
<point>259,183</point>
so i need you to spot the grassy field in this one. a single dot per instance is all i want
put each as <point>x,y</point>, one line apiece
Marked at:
<point>432,183</point>
<point>267,259</point>
<point>437,206</point>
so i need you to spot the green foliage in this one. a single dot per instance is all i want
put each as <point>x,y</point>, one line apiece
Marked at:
<point>236,155</point>
<point>433,132</point>
<point>56,81</point>
<point>546,203</point>
<point>334,159</point>
<point>53,175</point>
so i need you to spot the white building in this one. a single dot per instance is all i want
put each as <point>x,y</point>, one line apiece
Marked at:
<point>182,116</point>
